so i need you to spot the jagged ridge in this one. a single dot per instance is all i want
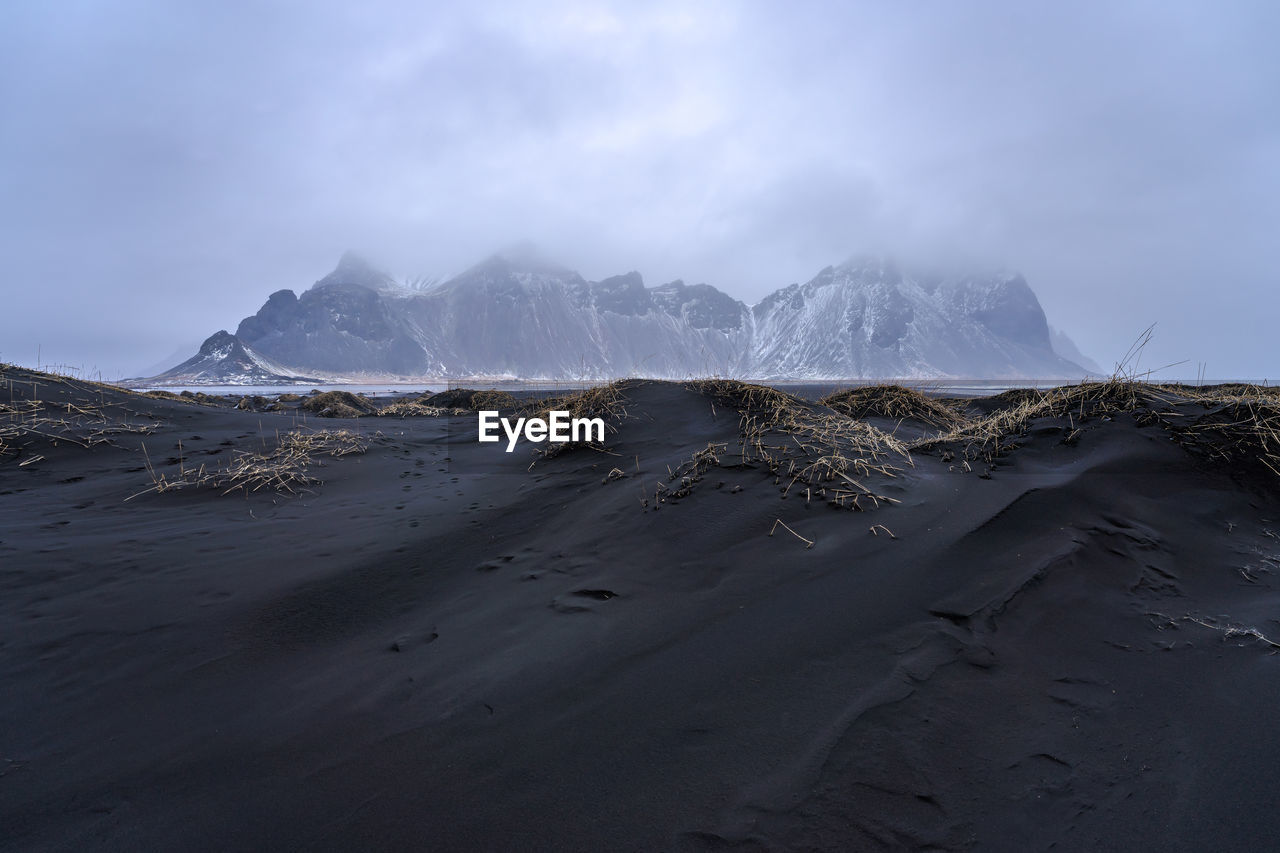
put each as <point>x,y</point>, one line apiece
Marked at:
<point>518,315</point>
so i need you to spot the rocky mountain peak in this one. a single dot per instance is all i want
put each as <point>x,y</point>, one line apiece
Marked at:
<point>622,294</point>
<point>700,305</point>
<point>353,269</point>
<point>219,340</point>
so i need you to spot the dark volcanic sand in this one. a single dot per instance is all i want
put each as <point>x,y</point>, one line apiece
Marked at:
<point>439,649</point>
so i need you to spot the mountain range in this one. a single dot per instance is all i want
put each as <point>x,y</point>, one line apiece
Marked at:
<point>516,315</point>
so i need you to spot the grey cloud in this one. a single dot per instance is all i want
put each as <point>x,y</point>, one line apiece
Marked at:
<point>165,167</point>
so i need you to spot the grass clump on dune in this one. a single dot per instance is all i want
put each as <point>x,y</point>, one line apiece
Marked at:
<point>1240,430</point>
<point>455,401</point>
<point>492,399</point>
<point>413,409</point>
<point>894,401</point>
<point>1234,423</point>
<point>469,400</point>
<point>993,433</point>
<point>599,401</point>
<point>607,402</point>
<point>769,412</point>
<point>1240,422</point>
<point>338,404</point>
<point>822,454</point>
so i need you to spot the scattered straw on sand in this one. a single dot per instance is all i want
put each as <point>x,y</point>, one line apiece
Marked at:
<point>1228,630</point>
<point>287,468</point>
<point>26,423</point>
<point>808,543</point>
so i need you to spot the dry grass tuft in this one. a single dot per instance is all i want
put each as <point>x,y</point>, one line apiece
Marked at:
<point>992,434</point>
<point>1239,424</point>
<point>894,401</point>
<point>691,470</point>
<point>600,401</point>
<point>606,402</point>
<point>1240,430</point>
<point>493,399</point>
<point>1229,392</point>
<point>413,409</point>
<point>818,453</point>
<point>287,468</point>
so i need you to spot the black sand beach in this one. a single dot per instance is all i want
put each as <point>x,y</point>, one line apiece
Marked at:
<point>437,645</point>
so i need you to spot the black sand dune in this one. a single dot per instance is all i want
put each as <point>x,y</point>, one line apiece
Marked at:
<point>439,647</point>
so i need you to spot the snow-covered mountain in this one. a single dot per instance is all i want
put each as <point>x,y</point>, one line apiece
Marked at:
<point>538,320</point>
<point>507,316</point>
<point>866,318</point>
<point>520,316</point>
<point>224,359</point>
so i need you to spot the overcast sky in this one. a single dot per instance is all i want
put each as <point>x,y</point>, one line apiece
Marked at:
<point>165,166</point>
